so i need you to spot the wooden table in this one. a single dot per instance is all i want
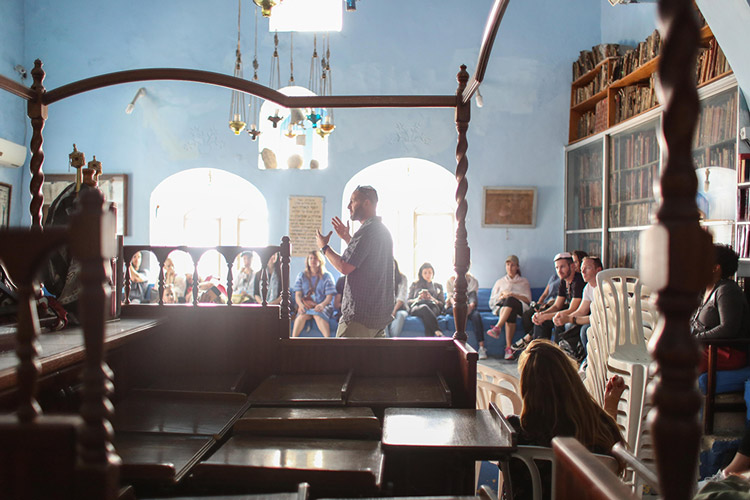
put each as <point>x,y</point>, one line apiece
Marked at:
<point>64,348</point>
<point>297,390</point>
<point>328,422</point>
<point>433,450</point>
<point>430,391</point>
<point>331,466</point>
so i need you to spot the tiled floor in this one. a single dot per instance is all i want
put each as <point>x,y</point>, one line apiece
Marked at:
<point>509,367</point>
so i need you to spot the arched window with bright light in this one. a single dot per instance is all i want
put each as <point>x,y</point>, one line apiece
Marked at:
<point>295,143</point>
<point>207,207</point>
<point>418,210</point>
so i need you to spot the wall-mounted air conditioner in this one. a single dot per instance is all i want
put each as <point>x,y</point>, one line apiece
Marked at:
<point>11,154</point>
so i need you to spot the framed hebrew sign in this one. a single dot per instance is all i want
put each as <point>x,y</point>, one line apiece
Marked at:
<point>509,207</point>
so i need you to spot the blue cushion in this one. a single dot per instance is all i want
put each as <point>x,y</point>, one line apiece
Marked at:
<point>726,380</point>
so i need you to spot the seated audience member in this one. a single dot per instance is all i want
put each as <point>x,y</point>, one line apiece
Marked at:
<point>578,256</point>
<point>169,296</point>
<point>546,299</point>
<point>138,280</point>
<point>426,300</point>
<point>178,282</point>
<point>472,289</point>
<point>510,297</point>
<point>401,288</point>
<point>569,294</point>
<point>574,339</point>
<point>313,292</point>
<point>273,269</point>
<point>242,291</point>
<point>556,403</point>
<point>216,294</point>
<point>723,313</point>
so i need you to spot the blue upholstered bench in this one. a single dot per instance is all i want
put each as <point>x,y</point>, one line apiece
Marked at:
<point>413,326</point>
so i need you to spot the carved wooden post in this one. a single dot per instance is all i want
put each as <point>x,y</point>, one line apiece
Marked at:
<point>675,259</point>
<point>27,350</point>
<point>286,252</point>
<point>37,112</point>
<point>93,243</point>
<point>463,253</point>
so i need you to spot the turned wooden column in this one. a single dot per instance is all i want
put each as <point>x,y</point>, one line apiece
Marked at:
<point>463,253</point>
<point>37,112</point>
<point>286,252</point>
<point>676,260</point>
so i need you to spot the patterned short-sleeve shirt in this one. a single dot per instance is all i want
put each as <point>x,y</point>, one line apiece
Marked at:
<point>369,292</point>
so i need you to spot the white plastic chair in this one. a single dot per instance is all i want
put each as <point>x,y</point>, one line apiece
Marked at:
<point>597,353</point>
<point>628,317</point>
<point>530,455</point>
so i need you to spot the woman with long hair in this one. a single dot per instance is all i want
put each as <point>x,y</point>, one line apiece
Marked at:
<point>426,300</point>
<point>313,292</point>
<point>556,403</point>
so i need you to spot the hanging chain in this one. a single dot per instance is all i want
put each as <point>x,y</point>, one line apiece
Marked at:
<point>291,59</point>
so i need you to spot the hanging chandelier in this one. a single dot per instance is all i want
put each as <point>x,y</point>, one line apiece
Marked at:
<point>266,6</point>
<point>326,84</point>
<point>313,114</point>
<point>254,129</point>
<point>274,81</point>
<point>237,120</point>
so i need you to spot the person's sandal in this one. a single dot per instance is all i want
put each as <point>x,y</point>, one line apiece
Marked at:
<point>520,344</point>
<point>494,332</point>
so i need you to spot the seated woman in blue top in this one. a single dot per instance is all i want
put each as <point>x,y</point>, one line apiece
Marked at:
<point>313,292</point>
<point>426,300</point>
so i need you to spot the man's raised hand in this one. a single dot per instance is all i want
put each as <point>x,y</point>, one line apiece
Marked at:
<point>321,239</point>
<point>341,229</point>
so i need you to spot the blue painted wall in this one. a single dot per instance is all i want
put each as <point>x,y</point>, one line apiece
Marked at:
<point>516,139</point>
<point>12,109</point>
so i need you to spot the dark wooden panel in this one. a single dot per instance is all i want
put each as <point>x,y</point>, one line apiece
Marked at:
<point>159,457</point>
<point>208,414</point>
<point>315,389</point>
<point>478,434</point>
<point>345,422</point>
<point>329,465</point>
<point>399,391</point>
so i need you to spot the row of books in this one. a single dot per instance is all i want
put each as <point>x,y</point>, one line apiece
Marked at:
<point>743,205</point>
<point>590,193</point>
<point>717,122</point>
<point>599,83</point>
<point>719,156</point>
<point>588,218</point>
<point>634,150</point>
<point>711,63</point>
<point>585,164</point>
<point>742,241</point>
<point>633,184</point>
<point>743,170</point>
<point>635,99</point>
<point>629,215</point>
<point>623,250</point>
<point>588,59</point>
<point>637,57</point>
<point>593,122</point>
<point>591,243</point>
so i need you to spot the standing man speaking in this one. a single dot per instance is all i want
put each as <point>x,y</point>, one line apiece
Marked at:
<point>367,263</point>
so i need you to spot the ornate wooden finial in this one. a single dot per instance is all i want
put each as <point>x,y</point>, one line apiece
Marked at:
<point>676,243</point>
<point>462,251</point>
<point>37,112</point>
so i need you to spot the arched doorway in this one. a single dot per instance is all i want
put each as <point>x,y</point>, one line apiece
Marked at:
<point>418,209</point>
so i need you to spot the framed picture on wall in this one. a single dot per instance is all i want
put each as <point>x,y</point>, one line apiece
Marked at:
<point>509,207</point>
<point>113,186</point>
<point>5,204</point>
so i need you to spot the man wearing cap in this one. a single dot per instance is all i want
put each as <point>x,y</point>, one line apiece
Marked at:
<point>569,295</point>
<point>510,296</point>
<point>367,263</point>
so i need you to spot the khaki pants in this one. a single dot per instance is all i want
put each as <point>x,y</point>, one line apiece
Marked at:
<point>358,330</point>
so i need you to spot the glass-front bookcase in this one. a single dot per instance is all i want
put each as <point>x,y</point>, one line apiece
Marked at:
<point>633,166</point>
<point>611,179</point>
<point>584,192</point>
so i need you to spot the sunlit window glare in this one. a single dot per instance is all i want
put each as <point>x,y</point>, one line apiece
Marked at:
<point>306,15</point>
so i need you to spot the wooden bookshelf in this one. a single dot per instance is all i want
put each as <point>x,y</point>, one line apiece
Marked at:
<point>634,93</point>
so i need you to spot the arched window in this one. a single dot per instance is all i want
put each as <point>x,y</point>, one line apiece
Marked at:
<point>208,207</point>
<point>289,144</point>
<point>418,210</point>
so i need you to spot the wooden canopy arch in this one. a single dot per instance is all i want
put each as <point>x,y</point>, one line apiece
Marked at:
<point>677,250</point>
